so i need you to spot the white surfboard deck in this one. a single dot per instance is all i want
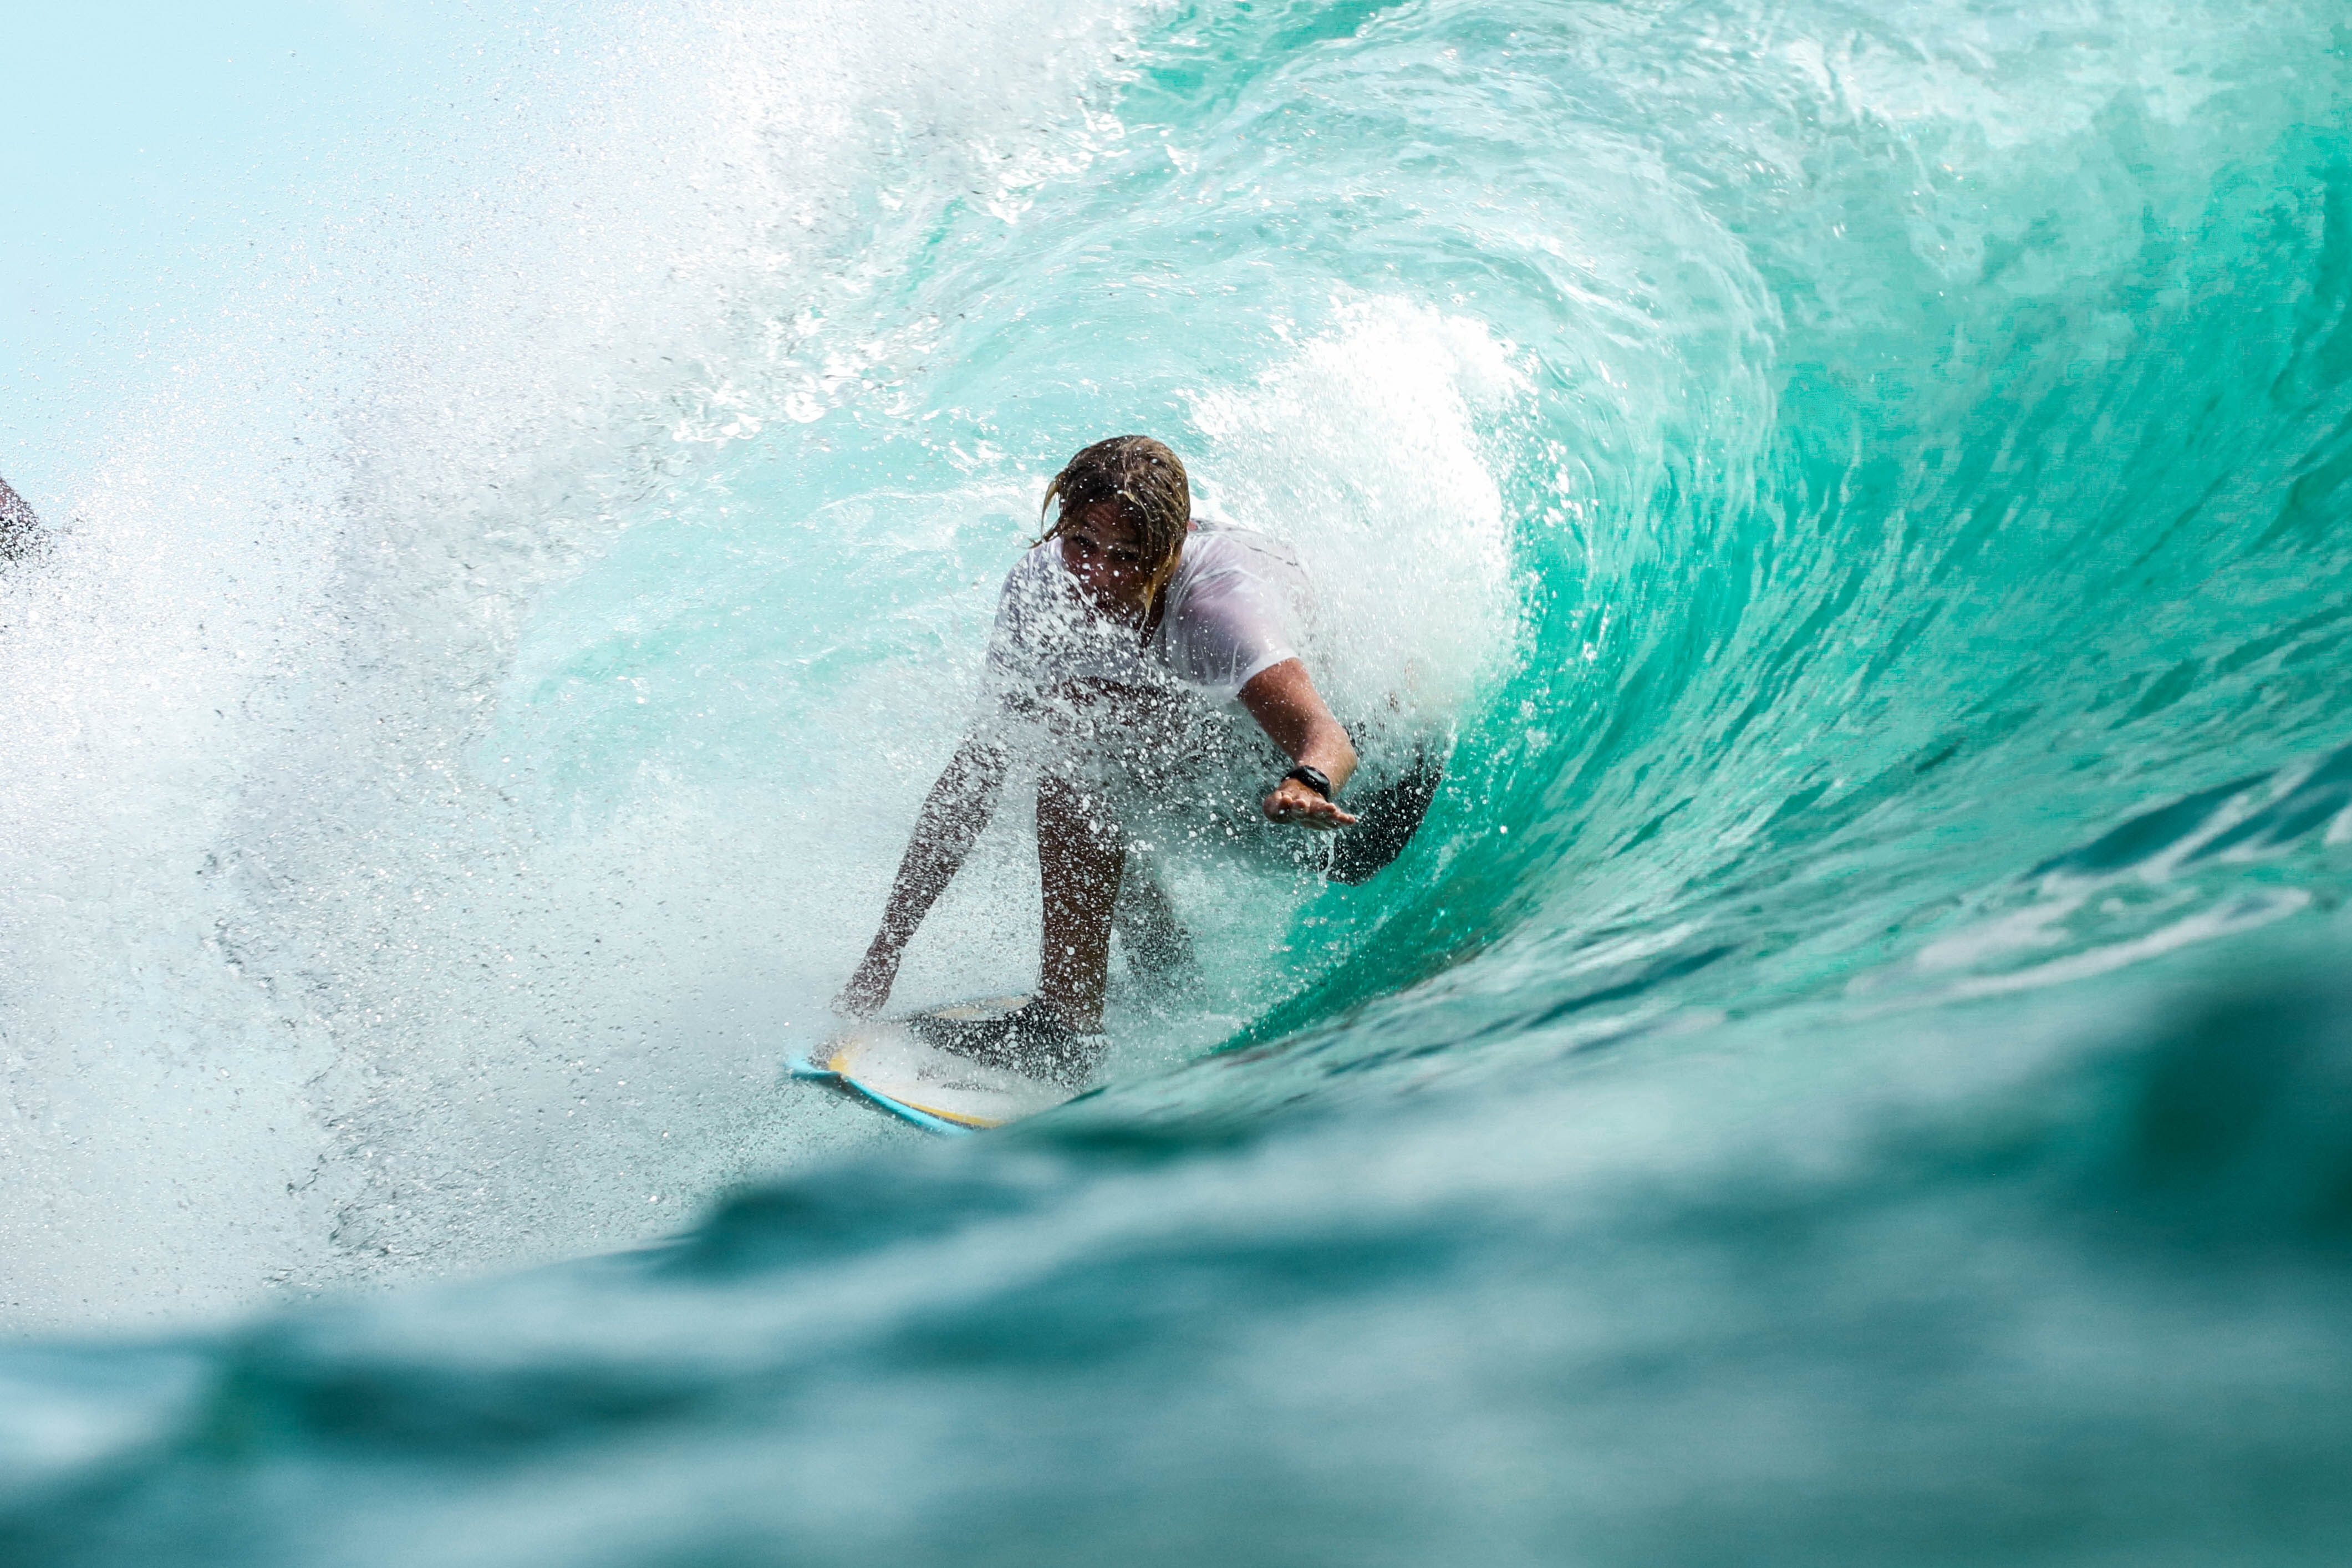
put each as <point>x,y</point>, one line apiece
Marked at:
<point>882,1061</point>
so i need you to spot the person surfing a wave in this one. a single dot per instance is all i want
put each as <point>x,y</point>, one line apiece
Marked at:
<point>1124,641</point>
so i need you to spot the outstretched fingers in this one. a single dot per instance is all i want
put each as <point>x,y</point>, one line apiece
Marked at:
<point>1294,803</point>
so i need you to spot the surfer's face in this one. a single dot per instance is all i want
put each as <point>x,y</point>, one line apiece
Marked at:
<point>1104,553</point>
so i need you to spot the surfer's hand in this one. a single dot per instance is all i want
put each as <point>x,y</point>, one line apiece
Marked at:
<point>1294,801</point>
<point>869,988</point>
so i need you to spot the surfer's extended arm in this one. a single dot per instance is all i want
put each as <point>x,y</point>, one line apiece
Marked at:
<point>959,807</point>
<point>1284,701</point>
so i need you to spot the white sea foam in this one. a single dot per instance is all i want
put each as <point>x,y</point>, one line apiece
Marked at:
<point>1362,449</point>
<point>296,994</point>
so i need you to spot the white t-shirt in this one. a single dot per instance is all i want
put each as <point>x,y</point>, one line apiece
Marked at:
<point>1238,604</point>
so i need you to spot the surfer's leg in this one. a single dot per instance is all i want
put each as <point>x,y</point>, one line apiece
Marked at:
<point>1080,857</point>
<point>1156,942</point>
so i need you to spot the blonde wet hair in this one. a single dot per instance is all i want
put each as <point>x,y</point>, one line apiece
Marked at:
<point>1145,480</point>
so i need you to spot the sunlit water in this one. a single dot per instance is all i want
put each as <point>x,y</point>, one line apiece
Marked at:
<point>1855,1067</point>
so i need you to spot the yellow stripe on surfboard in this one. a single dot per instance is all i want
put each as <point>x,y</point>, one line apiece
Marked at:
<point>839,1063</point>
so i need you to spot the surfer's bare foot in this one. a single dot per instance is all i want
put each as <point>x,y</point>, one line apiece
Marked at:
<point>1031,1040</point>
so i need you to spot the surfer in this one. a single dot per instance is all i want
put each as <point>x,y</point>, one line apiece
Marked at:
<point>1110,631</point>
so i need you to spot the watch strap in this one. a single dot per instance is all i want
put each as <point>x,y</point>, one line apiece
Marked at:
<point>1315,779</point>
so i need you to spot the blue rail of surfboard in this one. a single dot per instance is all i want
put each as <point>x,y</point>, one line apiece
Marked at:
<point>898,1108</point>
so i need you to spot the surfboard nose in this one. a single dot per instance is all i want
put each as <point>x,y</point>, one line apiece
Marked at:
<point>1386,819</point>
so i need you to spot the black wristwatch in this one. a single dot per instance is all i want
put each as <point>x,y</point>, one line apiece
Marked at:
<point>1315,779</point>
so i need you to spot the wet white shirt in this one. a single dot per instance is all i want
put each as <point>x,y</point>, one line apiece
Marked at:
<point>1238,604</point>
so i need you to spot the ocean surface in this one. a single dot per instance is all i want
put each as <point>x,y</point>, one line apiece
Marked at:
<point>1856,1068</point>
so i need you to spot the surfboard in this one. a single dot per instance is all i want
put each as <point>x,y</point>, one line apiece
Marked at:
<point>884,1062</point>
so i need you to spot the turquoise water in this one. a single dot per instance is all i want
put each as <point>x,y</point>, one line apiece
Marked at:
<point>1856,1067</point>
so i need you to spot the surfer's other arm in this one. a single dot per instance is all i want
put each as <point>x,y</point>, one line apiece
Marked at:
<point>1284,701</point>
<point>959,806</point>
